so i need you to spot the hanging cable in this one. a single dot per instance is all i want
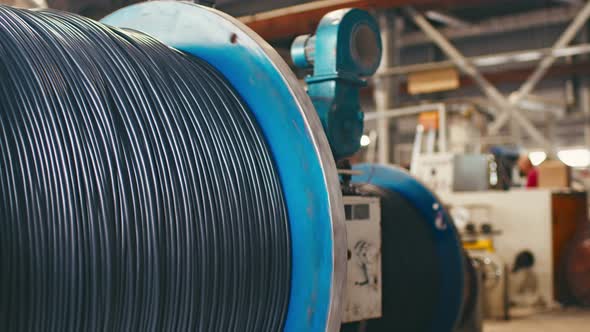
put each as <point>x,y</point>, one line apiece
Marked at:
<point>137,192</point>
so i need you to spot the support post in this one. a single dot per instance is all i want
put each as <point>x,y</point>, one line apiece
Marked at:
<point>583,93</point>
<point>584,104</point>
<point>442,128</point>
<point>385,87</point>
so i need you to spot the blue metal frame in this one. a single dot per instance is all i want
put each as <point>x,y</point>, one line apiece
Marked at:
<point>229,47</point>
<point>448,244</point>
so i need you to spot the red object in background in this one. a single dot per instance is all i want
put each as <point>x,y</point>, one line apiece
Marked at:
<point>569,226</point>
<point>532,178</point>
<point>578,269</point>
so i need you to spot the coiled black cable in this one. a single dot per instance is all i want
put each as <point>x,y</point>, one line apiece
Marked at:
<point>137,192</point>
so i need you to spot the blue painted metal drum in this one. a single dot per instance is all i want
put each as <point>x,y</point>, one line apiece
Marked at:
<point>432,251</point>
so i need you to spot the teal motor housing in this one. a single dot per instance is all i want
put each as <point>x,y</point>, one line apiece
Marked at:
<point>345,48</point>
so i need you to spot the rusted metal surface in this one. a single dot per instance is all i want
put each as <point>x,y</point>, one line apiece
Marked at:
<point>302,19</point>
<point>578,269</point>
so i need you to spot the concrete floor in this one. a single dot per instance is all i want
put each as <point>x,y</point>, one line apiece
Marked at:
<point>567,320</point>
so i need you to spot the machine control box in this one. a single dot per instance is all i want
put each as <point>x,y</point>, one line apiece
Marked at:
<point>362,299</point>
<point>450,172</point>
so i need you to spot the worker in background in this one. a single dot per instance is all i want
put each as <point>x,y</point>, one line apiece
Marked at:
<point>527,169</point>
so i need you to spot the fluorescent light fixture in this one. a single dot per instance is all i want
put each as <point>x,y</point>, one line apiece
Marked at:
<point>528,56</point>
<point>537,157</point>
<point>365,140</point>
<point>493,60</point>
<point>576,157</point>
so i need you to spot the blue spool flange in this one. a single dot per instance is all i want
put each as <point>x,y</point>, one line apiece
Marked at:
<point>448,246</point>
<point>293,132</point>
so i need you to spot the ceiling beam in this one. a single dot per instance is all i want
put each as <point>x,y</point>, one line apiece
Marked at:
<point>491,60</point>
<point>446,19</point>
<point>511,76</point>
<point>571,2</point>
<point>302,19</point>
<point>499,25</point>
<point>521,75</point>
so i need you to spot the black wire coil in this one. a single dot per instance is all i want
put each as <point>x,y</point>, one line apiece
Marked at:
<point>136,191</point>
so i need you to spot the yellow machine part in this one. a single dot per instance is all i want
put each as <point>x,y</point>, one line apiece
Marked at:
<point>479,244</point>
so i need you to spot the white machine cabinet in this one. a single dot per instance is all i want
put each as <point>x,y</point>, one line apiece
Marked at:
<point>448,172</point>
<point>363,289</point>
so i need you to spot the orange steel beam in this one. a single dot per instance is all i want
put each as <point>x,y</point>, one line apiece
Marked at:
<point>302,19</point>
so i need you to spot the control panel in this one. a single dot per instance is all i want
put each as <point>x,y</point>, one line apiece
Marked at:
<point>363,289</point>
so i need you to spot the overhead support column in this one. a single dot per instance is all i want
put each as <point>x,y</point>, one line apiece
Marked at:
<point>488,89</point>
<point>583,88</point>
<point>528,86</point>
<point>385,87</point>
<point>584,104</point>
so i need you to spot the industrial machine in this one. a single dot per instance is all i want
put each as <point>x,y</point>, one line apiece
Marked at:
<point>495,299</point>
<point>478,236</point>
<point>453,172</point>
<point>427,282</point>
<point>445,170</point>
<point>165,170</point>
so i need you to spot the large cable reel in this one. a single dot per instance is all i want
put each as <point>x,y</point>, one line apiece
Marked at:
<point>291,130</point>
<point>287,118</point>
<point>228,82</point>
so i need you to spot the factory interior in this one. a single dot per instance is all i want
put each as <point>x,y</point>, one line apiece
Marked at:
<point>295,165</point>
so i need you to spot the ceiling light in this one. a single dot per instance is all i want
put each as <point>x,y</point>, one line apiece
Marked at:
<point>365,140</point>
<point>577,157</point>
<point>537,157</point>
